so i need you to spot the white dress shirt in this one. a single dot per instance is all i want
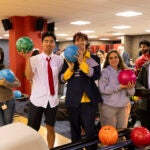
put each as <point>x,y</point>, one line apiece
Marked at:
<point>40,93</point>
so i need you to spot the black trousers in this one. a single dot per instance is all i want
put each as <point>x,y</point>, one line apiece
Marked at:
<point>142,111</point>
<point>82,117</point>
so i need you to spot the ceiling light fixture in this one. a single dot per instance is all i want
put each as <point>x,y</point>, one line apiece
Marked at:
<point>6,35</point>
<point>104,39</point>
<point>118,33</point>
<point>87,31</point>
<point>92,36</point>
<point>80,22</point>
<point>61,34</point>
<point>129,14</point>
<point>121,27</point>
<point>147,30</point>
<point>69,38</point>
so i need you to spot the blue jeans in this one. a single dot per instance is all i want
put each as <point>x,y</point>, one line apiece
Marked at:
<point>6,116</point>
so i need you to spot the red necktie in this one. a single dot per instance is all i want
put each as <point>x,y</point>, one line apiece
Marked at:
<point>50,77</point>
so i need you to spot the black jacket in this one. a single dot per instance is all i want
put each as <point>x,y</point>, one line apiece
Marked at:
<point>80,83</point>
<point>142,79</point>
<point>142,89</point>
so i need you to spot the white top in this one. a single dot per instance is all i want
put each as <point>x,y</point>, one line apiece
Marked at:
<point>40,93</point>
<point>102,64</point>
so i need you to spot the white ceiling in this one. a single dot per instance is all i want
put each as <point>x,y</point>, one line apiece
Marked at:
<point>101,14</point>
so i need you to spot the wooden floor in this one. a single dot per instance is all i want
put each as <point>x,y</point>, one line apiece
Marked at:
<point>60,140</point>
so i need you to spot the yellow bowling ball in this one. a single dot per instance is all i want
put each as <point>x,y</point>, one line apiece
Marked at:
<point>135,98</point>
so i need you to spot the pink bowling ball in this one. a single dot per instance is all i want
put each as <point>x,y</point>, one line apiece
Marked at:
<point>126,76</point>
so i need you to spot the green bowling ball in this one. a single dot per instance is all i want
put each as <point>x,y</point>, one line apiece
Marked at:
<point>24,44</point>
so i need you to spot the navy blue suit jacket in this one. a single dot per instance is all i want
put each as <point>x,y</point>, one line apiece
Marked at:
<point>80,83</point>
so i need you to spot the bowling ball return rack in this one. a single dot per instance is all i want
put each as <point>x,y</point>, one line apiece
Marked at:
<point>128,144</point>
<point>95,140</point>
<point>142,92</point>
<point>23,97</point>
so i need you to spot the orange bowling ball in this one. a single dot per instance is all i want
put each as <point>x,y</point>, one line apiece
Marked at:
<point>108,135</point>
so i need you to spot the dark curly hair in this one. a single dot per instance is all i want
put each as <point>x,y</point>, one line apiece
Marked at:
<point>2,66</point>
<point>80,35</point>
<point>145,42</point>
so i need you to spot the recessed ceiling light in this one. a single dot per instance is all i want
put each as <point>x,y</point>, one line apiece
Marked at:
<point>69,38</point>
<point>80,22</point>
<point>6,35</point>
<point>92,36</point>
<point>121,27</point>
<point>104,39</point>
<point>87,31</point>
<point>61,34</point>
<point>118,33</point>
<point>129,14</point>
<point>147,30</point>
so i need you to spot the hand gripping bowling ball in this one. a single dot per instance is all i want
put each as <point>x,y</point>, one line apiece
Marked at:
<point>140,136</point>
<point>7,74</point>
<point>24,44</point>
<point>126,76</point>
<point>70,53</point>
<point>108,135</point>
<point>17,94</point>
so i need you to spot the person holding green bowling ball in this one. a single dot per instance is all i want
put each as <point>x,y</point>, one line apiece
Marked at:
<point>43,100</point>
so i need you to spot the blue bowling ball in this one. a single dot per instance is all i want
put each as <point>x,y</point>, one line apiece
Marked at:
<point>70,53</point>
<point>17,94</point>
<point>7,74</point>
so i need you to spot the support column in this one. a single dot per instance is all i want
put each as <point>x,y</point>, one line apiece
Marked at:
<point>22,26</point>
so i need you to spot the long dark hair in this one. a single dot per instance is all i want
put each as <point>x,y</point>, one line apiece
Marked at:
<point>121,64</point>
<point>2,66</point>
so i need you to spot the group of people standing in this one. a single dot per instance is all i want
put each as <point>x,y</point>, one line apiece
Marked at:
<point>83,94</point>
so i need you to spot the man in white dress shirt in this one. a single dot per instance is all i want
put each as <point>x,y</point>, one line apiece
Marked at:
<point>42,101</point>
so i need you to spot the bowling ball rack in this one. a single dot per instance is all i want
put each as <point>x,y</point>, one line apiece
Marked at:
<point>95,140</point>
<point>24,97</point>
<point>142,92</point>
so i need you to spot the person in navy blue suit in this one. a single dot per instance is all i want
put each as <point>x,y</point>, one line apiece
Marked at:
<point>82,96</point>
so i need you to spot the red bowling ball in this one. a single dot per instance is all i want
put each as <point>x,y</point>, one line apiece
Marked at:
<point>126,76</point>
<point>140,136</point>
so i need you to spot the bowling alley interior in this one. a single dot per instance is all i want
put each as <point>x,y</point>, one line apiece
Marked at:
<point>122,26</point>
